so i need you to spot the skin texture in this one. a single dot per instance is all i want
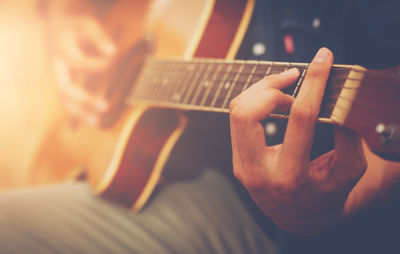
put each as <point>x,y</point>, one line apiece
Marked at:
<point>80,48</point>
<point>302,196</point>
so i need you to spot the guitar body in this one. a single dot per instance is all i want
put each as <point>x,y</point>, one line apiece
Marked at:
<point>124,160</point>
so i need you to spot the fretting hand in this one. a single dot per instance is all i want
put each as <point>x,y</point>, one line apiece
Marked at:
<point>300,195</point>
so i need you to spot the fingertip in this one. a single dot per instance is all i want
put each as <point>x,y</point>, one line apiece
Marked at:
<point>324,55</point>
<point>292,72</point>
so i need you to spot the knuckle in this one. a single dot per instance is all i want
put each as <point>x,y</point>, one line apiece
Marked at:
<point>303,112</point>
<point>272,78</point>
<point>273,92</point>
<point>317,71</point>
<point>237,111</point>
<point>285,188</point>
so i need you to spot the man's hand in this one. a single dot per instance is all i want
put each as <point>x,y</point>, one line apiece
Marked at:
<point>301,196</point>
<point>80,48</point>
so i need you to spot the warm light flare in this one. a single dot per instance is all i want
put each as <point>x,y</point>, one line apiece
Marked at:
<point>26,93</point>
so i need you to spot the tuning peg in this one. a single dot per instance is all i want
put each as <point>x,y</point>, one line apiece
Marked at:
<point>389,134</point>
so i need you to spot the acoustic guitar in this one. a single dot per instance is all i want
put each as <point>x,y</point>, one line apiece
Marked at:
<point>192,70</point>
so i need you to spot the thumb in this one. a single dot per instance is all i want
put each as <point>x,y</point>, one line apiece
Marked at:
<point>349,150</point>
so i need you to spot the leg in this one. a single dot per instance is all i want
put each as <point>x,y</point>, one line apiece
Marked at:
<point>201,216</point>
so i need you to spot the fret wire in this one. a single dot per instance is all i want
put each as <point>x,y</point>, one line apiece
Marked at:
<point>139,87</point>
<point>250,77</point>
<point>200,84</point>
<point>190,71</point>
<point>145,83</point>
<point>232,86</point>
<point>155,80</point>
<point>174,78</point>
<point>157,74</point>
<point>192,84</point>
<point>188,74</point>
<point>258,76</point>
<point>165,86</point>
<point>300,82</point>
<point>269,69</point>
<point>193,75</point>
<point>163,69</point>
<point>220,86</point>
<point>177,80</point>
<point>161,86</point>
<point>207,92</point>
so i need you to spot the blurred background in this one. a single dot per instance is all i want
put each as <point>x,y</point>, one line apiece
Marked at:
<point>27,94</point>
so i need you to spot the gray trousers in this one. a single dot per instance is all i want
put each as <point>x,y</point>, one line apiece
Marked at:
<point>199,216</point>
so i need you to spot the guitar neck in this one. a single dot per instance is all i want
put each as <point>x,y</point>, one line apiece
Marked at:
<point>210,84</point>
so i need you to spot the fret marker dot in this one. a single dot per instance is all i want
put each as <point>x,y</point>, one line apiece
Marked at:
<point>227,85</point>
<point>258,49</point>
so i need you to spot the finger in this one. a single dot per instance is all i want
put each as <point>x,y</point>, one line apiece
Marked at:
<point>87,47</point>
<point>349,153</point>
<point>74,92</point>
<point>257,102</point>
<point>305,109</point>
<point>277,81</point>
<point>246,112</point>
<point>247,134</point>
<point>76,110</point>
<point>98,37</point>
<point>77,57</point>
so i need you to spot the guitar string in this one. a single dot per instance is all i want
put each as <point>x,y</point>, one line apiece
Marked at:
<point>278,64</point>
<point>369,75</point>
<point>388,82</point>
<point>341,86</point>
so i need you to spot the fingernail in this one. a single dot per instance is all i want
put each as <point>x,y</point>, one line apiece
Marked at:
<point>291,72</point>
<point>322,55</point>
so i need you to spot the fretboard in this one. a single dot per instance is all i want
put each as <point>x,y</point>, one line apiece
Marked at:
<point>210,84</point>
